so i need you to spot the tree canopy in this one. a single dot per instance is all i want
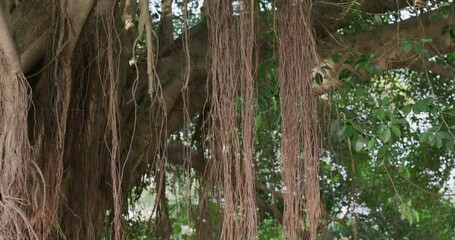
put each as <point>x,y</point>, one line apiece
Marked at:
<point>188,119</point>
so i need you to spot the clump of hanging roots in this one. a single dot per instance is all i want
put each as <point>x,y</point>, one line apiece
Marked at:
<point>14,156</point>
<point>15,151</point>
<point>231,43</point>
<point>297,56</point>
<point>232,51</point>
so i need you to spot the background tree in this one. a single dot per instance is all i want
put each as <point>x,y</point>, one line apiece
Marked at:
<point>112,108</point>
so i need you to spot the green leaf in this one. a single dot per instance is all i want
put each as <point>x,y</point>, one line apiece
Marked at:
<point>386,134</point>
<point>444,135</point>
<point>177,228</point>
<point>433,129</point>
<point>416,215</point>
<point>391,115</point>
<point>426,40</point>
<point>344,74</point>
<point>349,131</point>
<point>371,144</point>
<point>407,212</point>
<point>431,139</point>
<point>382,151</point>
<point>452,33</point>
<point>377,70</point>
<point>418,49</point>
<point>420,106</point>
<point>361,62</point>
<point>359,92</point>
<point>318,78</point>
<point>407,46</point>
<point>357,27</point>
<point>360,144</point>
<point>380,113</point>
<point>388,156</point>
<point>372,56</point>
<point>369,68</point>
<point>406,109</point>
<point>258,121</point>
<point>356,127</point>
<point>336,56</point>
<point>406,172</point>
<point>396,131</point>
<point>338,129</point>
<point>386,101</point>
<point>378,19</point>
<point>438,141</point>
<point>334,126</point>
<point>359,65</point>
<point>400,121</point>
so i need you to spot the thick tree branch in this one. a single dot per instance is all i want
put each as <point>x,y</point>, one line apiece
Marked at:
<point>32,21</point>
<point>343,13</point>
<point>387,42</point>
<point>422,65</point>
<point>166,27</point>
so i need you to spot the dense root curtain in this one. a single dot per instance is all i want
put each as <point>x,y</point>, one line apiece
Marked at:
<point>231,44</point>
<point>297,56</point>
<point>14,145</point>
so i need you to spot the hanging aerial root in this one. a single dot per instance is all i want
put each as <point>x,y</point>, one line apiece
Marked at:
<point>231,44</point>
<point>297,56</point>
<point>116,167</point>
<point>15,151</point>
<point>14,156</point>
